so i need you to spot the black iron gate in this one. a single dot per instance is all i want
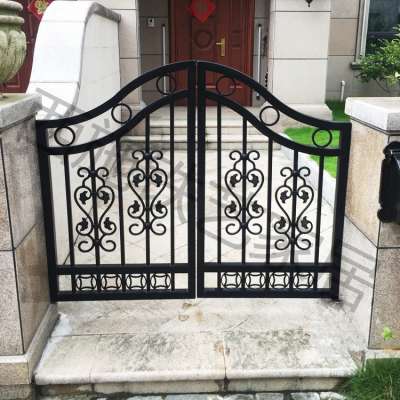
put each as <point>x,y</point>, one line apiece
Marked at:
<point>120,200</point>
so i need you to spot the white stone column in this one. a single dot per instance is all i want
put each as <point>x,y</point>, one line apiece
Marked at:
<point>298,54</point>
<point>26,315</point>
<point>129,45</point>
<point>370,285</point>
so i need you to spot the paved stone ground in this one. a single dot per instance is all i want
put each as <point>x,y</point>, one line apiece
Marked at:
<point>256,396</point>
<point>198,340</point>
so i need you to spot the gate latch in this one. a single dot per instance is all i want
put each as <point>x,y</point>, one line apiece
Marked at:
<point>389,194</point>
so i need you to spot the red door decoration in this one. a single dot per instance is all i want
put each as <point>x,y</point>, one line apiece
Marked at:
<point>38,7</point>
<point>202,9</point>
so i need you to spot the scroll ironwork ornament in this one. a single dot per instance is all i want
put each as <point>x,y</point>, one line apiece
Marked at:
<point>284,196</point>
<point>147,216</point>
<point>252,210</point>
<point>104,197</point>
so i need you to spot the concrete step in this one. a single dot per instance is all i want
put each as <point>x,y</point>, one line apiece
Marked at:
<point>232,124</point>
<point>153,347</point>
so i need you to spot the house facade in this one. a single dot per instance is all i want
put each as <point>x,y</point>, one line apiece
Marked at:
<point>305,52</point>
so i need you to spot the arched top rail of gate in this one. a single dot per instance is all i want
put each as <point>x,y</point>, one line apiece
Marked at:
<point>195,81</point>
<point>272,103</point>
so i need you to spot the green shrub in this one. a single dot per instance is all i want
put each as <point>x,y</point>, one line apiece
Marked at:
<point>382,65</point>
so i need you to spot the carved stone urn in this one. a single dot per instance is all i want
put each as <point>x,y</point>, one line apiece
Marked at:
<point>12,40</point>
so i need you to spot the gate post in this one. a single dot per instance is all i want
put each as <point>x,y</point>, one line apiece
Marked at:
<point>371,281</point>
<point>26,314</point>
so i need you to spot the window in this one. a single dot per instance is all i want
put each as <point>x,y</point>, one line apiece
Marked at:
<point>383,16</point>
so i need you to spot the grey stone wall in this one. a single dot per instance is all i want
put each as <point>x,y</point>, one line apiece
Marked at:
<point>375,124</point>
<point>23,248</point>
<point>24,294</point>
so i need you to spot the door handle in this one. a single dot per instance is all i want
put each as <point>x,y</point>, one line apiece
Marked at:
<point>222,44</point>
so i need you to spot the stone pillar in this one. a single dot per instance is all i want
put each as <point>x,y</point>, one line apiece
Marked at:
<point>376,122</point>
<point>26,315</point>
<point>298,54</point>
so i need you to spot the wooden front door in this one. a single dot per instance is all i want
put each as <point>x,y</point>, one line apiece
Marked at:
<point>20,82</point>
<point>226,37</point>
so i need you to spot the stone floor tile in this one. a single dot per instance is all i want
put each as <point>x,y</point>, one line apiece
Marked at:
<point>331,396</point>
<point>269,396</point>
<point>67,360</point>
<point>193,397</point>
<point>145,398</point>
<point>240,396</point>
<point>284,353</point>
<point>158,357</point>
<point>305,396</point>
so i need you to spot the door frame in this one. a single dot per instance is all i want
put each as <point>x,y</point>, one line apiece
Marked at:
<point>249,19</point>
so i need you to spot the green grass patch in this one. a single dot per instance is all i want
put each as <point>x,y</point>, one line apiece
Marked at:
<point>378,380</point>
<point>337,109</point>
<point>304,136</point>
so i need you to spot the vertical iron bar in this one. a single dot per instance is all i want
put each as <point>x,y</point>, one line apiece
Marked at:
<point>172,187</point>
<point>147,155</point>
<point>164,53</point>
<point>69,219</point>
<point>121,210</point>
<point>340,205</point>
<point>293,217</point>
<point>244,198</point>
<point>269,206</point>
<point>201,137</point>
<point>219,178</point>
<point>48,210</point>
<point>95,215</point>
<point>191,176</point>
<point>318,222</point>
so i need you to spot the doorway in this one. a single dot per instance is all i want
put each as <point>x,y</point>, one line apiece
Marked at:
<point>225,36</point>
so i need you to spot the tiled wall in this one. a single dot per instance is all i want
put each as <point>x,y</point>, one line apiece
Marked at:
<point>128,40</point>
<point>342,46</point>
<point>151,38</point>
<point>344,37</point>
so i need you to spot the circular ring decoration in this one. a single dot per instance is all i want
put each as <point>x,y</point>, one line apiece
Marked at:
<point>275,121</point>
<point>172,84</point>
<point>62,141</point>
<point>123,106</point>
<point>232,86</point>
<point>324,144</point>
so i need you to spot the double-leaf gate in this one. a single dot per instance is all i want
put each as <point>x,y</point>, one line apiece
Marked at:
<point>135,209</point>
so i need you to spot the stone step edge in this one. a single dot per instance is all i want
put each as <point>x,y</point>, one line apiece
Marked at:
<point>194,387</point>
<point>195,375</point>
